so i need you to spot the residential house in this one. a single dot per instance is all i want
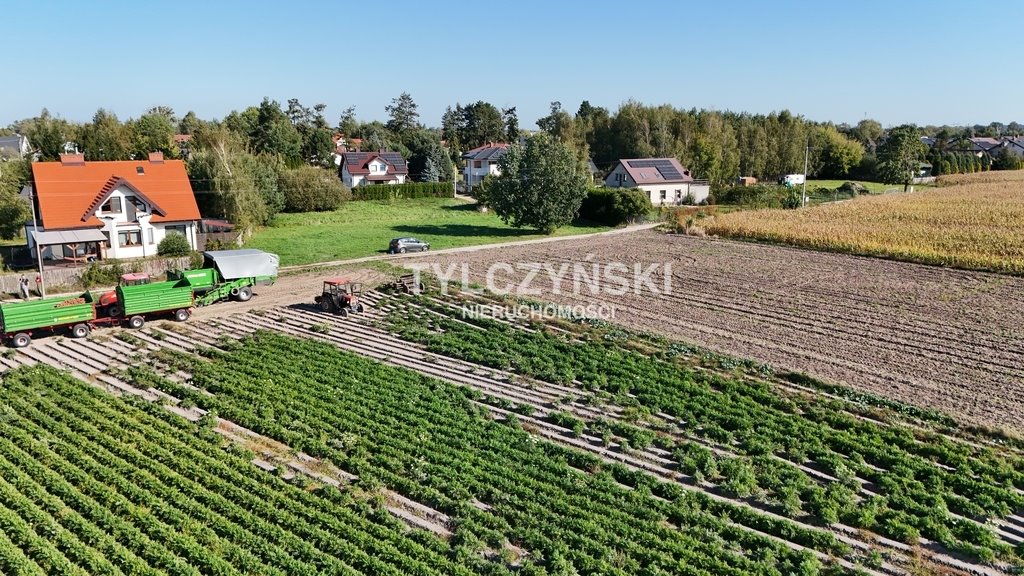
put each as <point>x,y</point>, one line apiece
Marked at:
<point>16,146</point>
<point>343,145</point>
<point>664,180</point>
<point>362,168</point>
<point>96,210</point>
<point>482,161</point>
<point>592,169</point>
<point>184,144</point>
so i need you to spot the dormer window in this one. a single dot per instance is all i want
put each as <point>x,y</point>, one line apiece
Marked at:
<point>112,206</point>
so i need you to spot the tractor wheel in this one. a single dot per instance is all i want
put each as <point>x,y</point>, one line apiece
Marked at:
<point>136,322</point>
<point>343,312</point>
<point>401,250</point>
<point>359,308</point>
<point>115,311</point>
<point>244,294</point>
<point>182,315</point>
<point>79,331</point>
<point>325,304</point>
<point>20,340</point>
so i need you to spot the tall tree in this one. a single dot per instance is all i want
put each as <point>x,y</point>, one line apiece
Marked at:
<point>511,120</point>
<point>190,124</point>
<point>154,132</point>
<point>105,138</point>
<point>274,134</point>
<point>402,113</point>
<point>900,155</point>
<point>14,210</point>
<point>48,134</point>
<point>542,184</point>
<point>347,123</point>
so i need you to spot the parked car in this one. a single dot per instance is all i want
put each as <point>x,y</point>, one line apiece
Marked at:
<point>403,245</point>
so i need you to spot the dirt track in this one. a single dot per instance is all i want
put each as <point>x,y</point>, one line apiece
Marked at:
<point>946,339</point>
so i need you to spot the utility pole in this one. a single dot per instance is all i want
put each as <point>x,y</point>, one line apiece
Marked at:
<point>803,193</point>
<point>39,249</point>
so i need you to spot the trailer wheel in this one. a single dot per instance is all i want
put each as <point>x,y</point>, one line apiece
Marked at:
<point>244,294</point>
<point>182,315</point>
<point>136,322</point>
<point>20,340</point>
<point>79,331</point>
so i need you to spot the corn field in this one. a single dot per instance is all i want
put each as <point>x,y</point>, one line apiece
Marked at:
<point>973,221</point>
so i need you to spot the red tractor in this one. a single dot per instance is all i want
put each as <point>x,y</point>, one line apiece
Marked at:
<point>108,300</point>
<point>340,296</point>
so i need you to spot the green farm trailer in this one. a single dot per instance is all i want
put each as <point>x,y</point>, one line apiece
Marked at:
<point>229,274</point>
<point>170,297</point>
<point>19,320</point>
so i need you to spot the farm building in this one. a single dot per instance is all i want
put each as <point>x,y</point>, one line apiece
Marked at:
<point>664,180</point>
<point>364,168</point>
<point>96,210</point>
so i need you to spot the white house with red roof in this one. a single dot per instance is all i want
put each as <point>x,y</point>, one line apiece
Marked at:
<point>482,161</point>
<point>120,209</point>
<point>664,179</point>
<point>363,168</point>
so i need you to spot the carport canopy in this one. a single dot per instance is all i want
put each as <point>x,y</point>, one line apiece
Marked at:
<point>68,236</point>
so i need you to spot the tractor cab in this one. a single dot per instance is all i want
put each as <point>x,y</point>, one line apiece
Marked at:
<point>108,300</point>
<point>340,295</point>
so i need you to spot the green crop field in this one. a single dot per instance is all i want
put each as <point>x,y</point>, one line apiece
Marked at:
<point>364,228</point>
<point>554,447</point>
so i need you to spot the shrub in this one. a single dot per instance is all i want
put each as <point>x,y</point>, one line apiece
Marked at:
<point>758,196</point>
<point>312,189</point>
<point>406,191</point>
<point>614,206</point>
<point>174,244</point>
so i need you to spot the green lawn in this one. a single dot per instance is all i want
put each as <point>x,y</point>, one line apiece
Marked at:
<point>873,187</point>
<point>364,228</point>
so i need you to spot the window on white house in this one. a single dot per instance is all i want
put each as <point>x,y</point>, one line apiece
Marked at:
<point>679,194</point>
<point>129,238</point>
<point>663,196</point>
<point>112,206</point>
<point>477,164</point>
<point>175,229</point>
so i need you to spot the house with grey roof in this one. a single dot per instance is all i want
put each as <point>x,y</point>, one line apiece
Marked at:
<point>664,180</point>
<point>366,168</point>
<point>482,161</point>
<point>16,146</point>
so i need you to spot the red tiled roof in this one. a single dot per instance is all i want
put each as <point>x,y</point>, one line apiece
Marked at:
<point>69,193</point>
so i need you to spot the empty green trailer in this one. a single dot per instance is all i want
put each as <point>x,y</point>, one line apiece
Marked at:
<point>169,297</point>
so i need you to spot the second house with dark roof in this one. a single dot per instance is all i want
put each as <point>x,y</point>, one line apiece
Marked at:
<point>365,168</point>
<point>664,180</point>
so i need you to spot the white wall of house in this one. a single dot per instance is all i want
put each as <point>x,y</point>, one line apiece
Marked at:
<point>619,178</point>
<point>476,170</point>
<point>376,169</point>
<point>672,194</point>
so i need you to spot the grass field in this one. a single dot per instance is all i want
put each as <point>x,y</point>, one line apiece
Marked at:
<point>364,229</point>
<point>974,223</point>
<point>873,187</point>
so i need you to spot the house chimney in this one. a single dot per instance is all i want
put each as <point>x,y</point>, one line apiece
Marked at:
<point>156,157</point>
<point>72,159</point>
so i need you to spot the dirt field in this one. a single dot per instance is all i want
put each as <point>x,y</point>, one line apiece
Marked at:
<point>939,338</point>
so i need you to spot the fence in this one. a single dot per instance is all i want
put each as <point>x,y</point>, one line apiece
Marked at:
<point>69,279</point>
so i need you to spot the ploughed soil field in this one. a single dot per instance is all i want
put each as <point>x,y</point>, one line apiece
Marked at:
<point>939,338</point>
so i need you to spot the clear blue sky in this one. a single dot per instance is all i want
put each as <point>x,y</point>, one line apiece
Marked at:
<point>927,62</point>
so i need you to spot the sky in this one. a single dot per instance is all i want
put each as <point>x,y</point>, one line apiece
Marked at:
<point>896,61</point>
